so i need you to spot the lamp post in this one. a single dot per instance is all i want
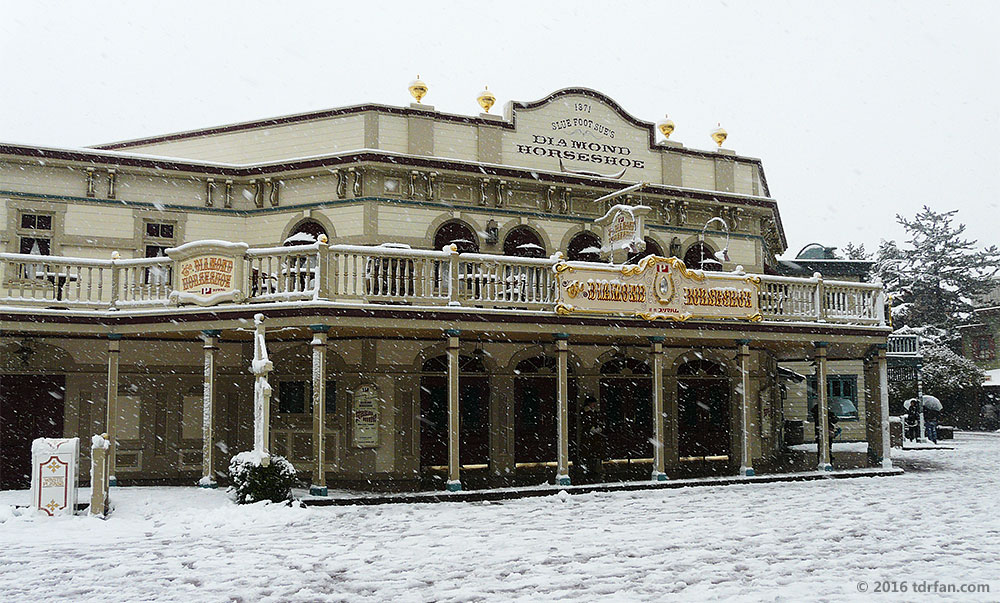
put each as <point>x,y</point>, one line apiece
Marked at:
<point>720,256</point>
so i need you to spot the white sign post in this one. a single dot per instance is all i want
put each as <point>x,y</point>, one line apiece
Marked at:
<point>55,464</point>
<point>260,367</point>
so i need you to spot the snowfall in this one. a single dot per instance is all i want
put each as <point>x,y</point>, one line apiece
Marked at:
<point>827,540</point>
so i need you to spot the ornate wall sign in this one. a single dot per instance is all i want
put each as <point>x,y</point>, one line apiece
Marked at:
<point>656,288</point>
<point>581,133</point>
<point>207,272</point>
<point>366,416</point>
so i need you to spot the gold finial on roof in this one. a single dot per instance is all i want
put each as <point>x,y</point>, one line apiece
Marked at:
<point>418,88</point>
<point>719,135</point>
<point>665,126</point>
<point>486,99</point>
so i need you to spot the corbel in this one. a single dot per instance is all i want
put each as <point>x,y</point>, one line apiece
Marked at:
<point>548,197</point>
<point>414,174</point>
<point>500,186</point>
<point>209,192</point>
<point>91,184</point>
<point>682,213</point>
<point>229,193</point>
<point>564,201</point>
<point>358,189</point>
<point>111,183</point>
<point>483,186</point>
<point>431,184</point>
<point>258,192</point>
<point>272,196</point>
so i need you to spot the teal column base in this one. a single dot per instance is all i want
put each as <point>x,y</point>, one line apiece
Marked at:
<point>112,481</point>
<point>826,467</point>
<point>563,481</point>
<point>659,477</point>
<point>209,485</point>
<point>318,491</point>
<point>455,486</point>
<point>748,472</point>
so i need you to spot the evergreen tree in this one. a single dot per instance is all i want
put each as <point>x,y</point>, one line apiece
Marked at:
<point>856,252</point>
<point>936,276</point>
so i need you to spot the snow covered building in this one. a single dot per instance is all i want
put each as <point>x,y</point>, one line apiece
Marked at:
<point>439,309</point>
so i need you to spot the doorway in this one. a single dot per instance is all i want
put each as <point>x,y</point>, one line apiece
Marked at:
<point>31,406</point>
<point>703,411</point>
<point>473,412</point>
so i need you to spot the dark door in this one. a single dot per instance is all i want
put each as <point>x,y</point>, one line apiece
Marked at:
<point>31,406</point>
<point>473,412</point>
<point>703,413</point>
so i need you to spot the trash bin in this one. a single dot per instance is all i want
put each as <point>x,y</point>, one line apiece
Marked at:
<point>54,468</point>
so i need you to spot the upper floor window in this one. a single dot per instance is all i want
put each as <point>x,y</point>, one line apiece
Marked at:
<point>652,248</point>
<point>585,247</point>
<point>159,230</point>
<point>523,242</point>
<point>306,232</point>
<point>702,257</point>
<point>984,348</point>
<point>459,233</point>
<point>36,221</point>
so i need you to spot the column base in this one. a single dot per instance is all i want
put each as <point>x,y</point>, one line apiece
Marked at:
<point>207,482</point>
<point>318,491</point>
<point>886,464</point>
<point>826,467</point>
<point>454,486</point>
<point>112,481</point>
<point>747,472</point>
<point>563,480</point>
<point>659,477</point>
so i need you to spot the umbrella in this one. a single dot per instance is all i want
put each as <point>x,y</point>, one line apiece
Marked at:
<point>842,407</point>
<point>930,403</point>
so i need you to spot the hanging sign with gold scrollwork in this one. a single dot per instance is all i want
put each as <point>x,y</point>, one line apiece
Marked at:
<point>656,288</point>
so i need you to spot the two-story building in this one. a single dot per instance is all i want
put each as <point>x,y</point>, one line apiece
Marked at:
<point>438,302</point>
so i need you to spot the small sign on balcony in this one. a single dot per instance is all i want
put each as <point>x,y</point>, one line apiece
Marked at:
<point>207,272</point>
<point>656,288</point>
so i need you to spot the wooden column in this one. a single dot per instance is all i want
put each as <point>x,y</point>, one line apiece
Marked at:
<point>454,476</point>
<point>111,423</point>
<point>211,340</point>
<point>746,460</point>
<point>822,407</point>
<point>659,443</point>
<point>883,393</point>
<point>318,487</point>
<point>562,409</point>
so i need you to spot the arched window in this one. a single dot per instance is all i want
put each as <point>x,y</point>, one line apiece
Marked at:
<point>523,242</point>
<point>459,233</point>
<point>305,232</point>
<point>652,248</point>
<point>701,257</point>
<point>585,247</point>
<point>703,411</point>
<point>627,404</point>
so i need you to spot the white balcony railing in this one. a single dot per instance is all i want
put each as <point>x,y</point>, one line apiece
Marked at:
<point>384,275</point>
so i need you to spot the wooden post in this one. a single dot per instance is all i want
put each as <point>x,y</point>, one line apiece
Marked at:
<point>260,367</point>
<point>562,409</point>
<point>210,339</point>
<point>111,423</point>
<point>822,407</point>
<point>318,487</point>
<point>883,393</point>
<point>746,463</point>
<point>454,477</point>
<point>659,443</point>
<point>99,475</point>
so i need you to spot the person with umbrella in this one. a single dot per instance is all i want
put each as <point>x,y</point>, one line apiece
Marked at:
<point>831,423</point>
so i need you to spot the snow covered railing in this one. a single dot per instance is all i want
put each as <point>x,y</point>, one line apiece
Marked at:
<point>817,300</point>
<point>903,345</point>
<point>61,281</point>
<point>384,274</point>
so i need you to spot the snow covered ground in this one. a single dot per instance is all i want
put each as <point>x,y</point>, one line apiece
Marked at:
<point>789,541</point>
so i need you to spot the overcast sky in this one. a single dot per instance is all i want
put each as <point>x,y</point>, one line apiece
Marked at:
<point>859,110</point>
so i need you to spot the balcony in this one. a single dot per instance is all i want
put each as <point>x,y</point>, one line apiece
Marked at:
<point>387,275</point>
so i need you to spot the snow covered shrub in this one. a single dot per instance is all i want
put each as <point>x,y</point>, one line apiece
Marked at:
<point>254,482</point>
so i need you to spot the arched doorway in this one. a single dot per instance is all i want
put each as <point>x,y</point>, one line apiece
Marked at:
<point>652,248</point>
<point>627,406</point>
<point>459,233</point>
<point>535,410</point>
<point>701,257</point>
<point>584,247</point>
<point>305,232</point>
<point>523,242</point>
<point>473,412</point>
<point>703,411</point>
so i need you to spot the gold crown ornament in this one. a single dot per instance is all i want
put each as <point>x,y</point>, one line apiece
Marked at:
<point>486,99</point>
<point>418,89</point>
<point>665,126</point>
<point>719,135</point>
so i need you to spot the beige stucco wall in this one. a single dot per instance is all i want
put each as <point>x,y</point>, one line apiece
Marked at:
<point>796,405</point>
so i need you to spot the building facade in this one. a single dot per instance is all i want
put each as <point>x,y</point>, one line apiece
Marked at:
<point>415,274</point>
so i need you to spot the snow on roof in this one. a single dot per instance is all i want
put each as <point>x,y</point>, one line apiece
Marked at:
<point>992,378</point>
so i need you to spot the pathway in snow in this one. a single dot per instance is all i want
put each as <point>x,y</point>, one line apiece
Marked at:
<point>789,541</point>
